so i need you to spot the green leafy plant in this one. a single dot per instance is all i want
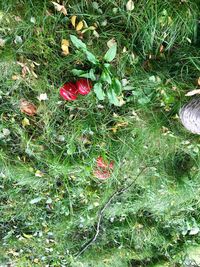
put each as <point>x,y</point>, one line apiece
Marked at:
<point>106,85</point>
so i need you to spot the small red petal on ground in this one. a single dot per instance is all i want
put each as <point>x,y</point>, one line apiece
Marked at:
<point>111,165</point>
<point>101,163</point>
<point>102,174</point>
<point>103,168</point>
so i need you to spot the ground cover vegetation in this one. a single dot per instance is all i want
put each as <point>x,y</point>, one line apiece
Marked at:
<point>62,161</point>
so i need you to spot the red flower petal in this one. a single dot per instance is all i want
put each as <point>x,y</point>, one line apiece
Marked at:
<point>69,91</point>
<point>101,163</point>
<point>84,86</point>
<point>103,169</point>
<point>111,165</point>
<point>101,174</point>
<point>71,87</point>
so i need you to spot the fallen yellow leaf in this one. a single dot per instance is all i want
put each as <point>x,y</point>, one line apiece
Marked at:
<point>25,122</point>
<point>27,236</point>
<point>79,26</point>
<point>119,125</point>
<point>73,21</point>
<point>65,47</point>
<point>193,92</point>
<point>60,8</point>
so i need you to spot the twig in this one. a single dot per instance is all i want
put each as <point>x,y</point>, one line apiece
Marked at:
<point>100,216</point>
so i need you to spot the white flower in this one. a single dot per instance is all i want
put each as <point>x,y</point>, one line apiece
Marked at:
<point>6,132</point>
<point>42,97</point>
<point>130,5</point>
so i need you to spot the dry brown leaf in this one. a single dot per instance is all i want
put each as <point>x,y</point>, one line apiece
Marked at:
<point>60,8</point>
<point>130,5</point>
<point>198,81</point>
<point>80,34</point>
<point>27,107</point>
<point>28,67</point>
<point>193,92</point>
<point>73,21</point>
<point>79,26</point>
<point>25,69</point>
<point>65,47</point>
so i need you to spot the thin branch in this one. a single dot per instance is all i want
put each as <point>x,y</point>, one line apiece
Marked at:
<point>101,212</point>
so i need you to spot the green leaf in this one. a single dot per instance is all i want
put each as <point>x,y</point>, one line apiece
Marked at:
<point>112,97</point>
<point>117,86</point>
<point>92,75</point>
<point>169,99</point>
<point>82,73</point>
<point>35,200</point>
<point>78,72</point>
<point>111,53</point>
<point>78,43</point>
<point>71,149</point>
<point>107,65</point>
<point>99,91</point>
<point>91,58</point>
<point>144,100</point>
<point>105,76</point>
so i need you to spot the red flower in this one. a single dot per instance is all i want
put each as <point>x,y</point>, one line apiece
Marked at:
<point>69,91</point>
<point>103,169</point>
<point>84,86</point>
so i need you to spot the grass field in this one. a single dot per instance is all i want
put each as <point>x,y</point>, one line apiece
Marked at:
<point>51,201</point>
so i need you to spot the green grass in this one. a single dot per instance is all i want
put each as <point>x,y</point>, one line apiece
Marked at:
<point>151,224</point>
